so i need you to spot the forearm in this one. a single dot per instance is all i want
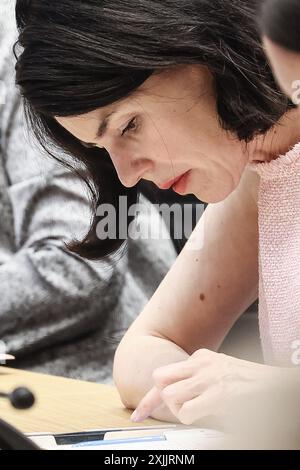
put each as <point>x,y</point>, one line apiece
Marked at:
<point>135,361</point>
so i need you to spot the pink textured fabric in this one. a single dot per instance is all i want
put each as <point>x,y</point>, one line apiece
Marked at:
<point>279,257</point>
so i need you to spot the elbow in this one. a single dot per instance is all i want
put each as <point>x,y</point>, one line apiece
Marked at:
<point>123,380</point>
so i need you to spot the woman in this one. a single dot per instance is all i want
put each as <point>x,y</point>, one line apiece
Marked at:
<point>280,17</point>
<point>179,93</point>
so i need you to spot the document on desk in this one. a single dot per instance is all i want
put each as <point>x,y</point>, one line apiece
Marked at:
<point>164,438</point>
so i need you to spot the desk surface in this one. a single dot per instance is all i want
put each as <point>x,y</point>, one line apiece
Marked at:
<point>63,405</point>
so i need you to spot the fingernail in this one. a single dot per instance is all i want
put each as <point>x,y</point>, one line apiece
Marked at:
<point>136,417</point>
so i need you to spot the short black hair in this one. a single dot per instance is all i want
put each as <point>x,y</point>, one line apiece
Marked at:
<point>281,22</point>
<point>74,56</point>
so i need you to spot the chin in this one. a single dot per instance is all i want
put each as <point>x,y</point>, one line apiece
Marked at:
<point>213,197</point>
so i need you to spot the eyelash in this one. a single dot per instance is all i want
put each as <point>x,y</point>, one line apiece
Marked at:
<point>129,127</point>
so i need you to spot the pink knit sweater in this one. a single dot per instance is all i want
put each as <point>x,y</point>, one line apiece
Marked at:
<point>279,257</point>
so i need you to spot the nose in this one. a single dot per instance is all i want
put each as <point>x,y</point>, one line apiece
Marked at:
<point>130,170</point>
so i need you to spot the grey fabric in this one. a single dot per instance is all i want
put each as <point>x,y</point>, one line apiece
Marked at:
<point>58,313</point>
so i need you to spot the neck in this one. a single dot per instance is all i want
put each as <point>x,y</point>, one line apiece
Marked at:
<point>278,141</point>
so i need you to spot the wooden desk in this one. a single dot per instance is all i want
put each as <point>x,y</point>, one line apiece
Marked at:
<point>63,405</point>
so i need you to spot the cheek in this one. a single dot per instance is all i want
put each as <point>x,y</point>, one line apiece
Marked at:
<point>286,68</point>
<point>288,77</point>
<point>166,142</point>
<point>290,82</point>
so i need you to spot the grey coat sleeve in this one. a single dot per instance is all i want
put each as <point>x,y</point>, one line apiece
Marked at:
<point>48,295</point>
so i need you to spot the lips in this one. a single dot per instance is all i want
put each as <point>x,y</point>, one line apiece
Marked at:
<point>181,185</point>
<point>169,184</point>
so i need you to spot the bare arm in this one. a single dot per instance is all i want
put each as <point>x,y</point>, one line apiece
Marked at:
<point>201,297</point>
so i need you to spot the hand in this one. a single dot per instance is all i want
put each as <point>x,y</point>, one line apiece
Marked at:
<point>206,384</point>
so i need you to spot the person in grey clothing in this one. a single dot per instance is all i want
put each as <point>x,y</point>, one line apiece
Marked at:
<point>59,313</point>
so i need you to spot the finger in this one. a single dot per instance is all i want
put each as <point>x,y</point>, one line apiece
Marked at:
<point>6,357</point>
<point>167,375</point>
<point>207,404</point>
<point>148,404</point>
<point>185,390</point>
<point>175,395</point>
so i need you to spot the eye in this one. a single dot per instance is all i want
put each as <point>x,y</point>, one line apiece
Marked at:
<point>131,126</point>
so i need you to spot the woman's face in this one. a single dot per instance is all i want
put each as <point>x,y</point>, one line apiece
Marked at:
<point>286,67</point>
<point>168,129</point>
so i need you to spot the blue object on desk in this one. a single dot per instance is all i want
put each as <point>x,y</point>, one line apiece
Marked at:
<point>129,440</point>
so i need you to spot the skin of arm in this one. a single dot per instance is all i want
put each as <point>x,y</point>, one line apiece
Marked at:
<point>201,297</point>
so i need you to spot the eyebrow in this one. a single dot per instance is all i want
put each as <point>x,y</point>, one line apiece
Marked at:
<point>103,126</point>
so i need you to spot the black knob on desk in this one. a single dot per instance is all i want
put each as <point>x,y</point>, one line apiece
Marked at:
<point>21,398</point>
<point>10,438</point>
